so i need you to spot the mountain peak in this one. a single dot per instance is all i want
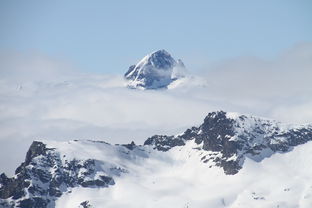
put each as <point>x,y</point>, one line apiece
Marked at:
<point>156,70</point>
<point>161,52</point>
<point>229,138</point>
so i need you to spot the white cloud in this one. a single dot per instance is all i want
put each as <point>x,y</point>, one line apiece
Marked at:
<point>44,98</point>
<point>34,66</point>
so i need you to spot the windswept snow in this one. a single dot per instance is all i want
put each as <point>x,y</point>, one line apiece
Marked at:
<point>177,178</point>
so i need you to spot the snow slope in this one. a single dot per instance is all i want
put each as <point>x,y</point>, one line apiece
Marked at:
<point>179,179</point>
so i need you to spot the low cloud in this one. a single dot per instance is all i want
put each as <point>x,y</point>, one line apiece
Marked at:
<point>32,66</point>
<point>41,98</point>
<point>268,87</point>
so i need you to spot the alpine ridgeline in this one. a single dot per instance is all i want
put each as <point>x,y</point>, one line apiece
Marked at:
<point>155,71</point>
<point>221,144</point>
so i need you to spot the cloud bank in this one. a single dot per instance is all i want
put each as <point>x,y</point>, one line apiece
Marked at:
<point>41,98</point>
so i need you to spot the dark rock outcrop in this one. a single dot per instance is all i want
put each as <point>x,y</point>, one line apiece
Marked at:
<point>163,142</point>
<point>228,141</point>
<point>43,177</point>
<point>85,204</point>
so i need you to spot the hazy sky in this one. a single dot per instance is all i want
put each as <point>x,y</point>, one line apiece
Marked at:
<point>108,36</point>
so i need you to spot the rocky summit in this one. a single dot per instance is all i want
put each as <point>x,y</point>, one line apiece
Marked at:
<point>44,176</point>
<point>54,171</point>
<point>155,71</point>
<point>228,138</point>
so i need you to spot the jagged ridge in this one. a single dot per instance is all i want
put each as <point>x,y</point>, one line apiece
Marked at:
<point>230,138</point>
<point>224,140</point>
<point>45,176</point>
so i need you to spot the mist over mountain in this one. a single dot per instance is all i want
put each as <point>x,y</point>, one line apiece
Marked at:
<point>67,117</point>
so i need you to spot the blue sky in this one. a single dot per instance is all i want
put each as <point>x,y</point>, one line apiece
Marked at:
<point>108,36</point>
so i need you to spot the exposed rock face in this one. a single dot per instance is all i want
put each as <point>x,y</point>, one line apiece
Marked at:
<point>85,204</point>
<point>43,177</point>
<point>229,139</point>
<point>155,71</point>
<point>163,142</point>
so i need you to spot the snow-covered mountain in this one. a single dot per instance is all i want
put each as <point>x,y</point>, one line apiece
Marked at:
<point>231,160</point>
<point>155,71</point>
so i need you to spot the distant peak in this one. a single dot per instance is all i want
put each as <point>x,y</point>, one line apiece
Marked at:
<point>156,70</point>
